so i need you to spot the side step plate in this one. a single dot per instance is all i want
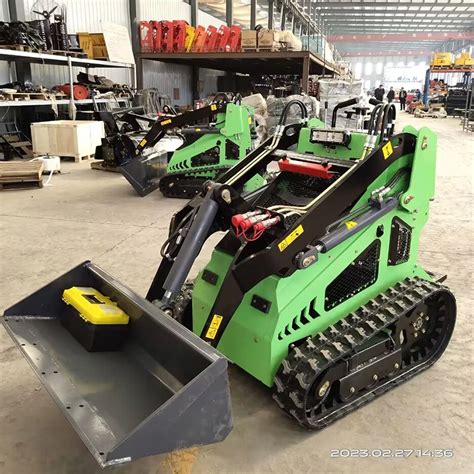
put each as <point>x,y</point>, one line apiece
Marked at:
<point>164,390</point>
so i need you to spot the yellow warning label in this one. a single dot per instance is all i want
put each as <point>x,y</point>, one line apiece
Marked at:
<point>289,239</point>
<point>143,142</point>
<point>213,107</point>
<point>165,122</point>
<point>387,150</point>
<point>250,120</point>
<point>351,224</point>
<point>215,323</point>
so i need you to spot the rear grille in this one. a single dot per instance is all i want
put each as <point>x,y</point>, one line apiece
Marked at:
<point>400,240</point>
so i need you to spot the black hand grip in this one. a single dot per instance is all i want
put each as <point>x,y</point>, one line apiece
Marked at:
<point>342,105</point>
<point>374,101</point>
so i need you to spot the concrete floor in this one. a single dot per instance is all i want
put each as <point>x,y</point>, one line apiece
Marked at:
<point>94,215</point>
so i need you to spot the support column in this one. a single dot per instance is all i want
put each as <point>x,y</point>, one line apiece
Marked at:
<point>195,72</point>
<point>305,74</point>
<point>134,33</point>
<point>271,17</point>
<point>229,13</point>
<point>253,14</point>
<point>194,12</point>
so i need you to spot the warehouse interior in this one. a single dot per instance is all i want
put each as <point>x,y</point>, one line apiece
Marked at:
<point>231,231</point>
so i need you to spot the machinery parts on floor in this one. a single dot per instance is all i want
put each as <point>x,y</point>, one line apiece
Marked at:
<point>206,151</point>
<point>432,112</point>
<point>315,290</point>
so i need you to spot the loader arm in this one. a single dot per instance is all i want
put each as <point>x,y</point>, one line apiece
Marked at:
<point>159,129</point>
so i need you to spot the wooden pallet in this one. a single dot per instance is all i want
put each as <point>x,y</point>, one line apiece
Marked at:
<point>102,166</point>
<point>21,174</point>
<point>18,47</point>
<point>22,96</point>
<point>261,50</point>
<point>73,54</point>
<point>15,142</point>
<point>56,52</point>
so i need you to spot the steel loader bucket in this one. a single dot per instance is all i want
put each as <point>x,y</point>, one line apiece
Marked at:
<point>144,172</point>
<point>165,389</point>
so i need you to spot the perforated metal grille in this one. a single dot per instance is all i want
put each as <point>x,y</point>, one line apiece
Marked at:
<point>360,274</point>
<point>306,315</point>
<point>400,241</point>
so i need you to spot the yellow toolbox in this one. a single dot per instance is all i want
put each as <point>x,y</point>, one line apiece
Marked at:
<point>93,319</point>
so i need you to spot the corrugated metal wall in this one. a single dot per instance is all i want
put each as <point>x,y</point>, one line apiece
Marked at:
<point>4,77</point>
<point>208,77</point>
<point>84,15</point>
<point>167,77</point>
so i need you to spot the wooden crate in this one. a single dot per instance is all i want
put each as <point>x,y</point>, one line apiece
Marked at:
<point>75,138</point>
<point>21,174</point>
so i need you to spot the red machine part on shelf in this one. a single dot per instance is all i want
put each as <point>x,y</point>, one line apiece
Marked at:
<point>179,36</point>
<point>156,25</point>
<point>199,40</point>
<point>167,30</point>
<point>304,167</point>
<point>211,39</point>
<point>233,44</point>
<point>146,36</point>
<point>79,92</point>
<point>223,37</point>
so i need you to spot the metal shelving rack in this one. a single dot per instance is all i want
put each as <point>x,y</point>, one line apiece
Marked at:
<point>430,71</point>
<point>467,121</point>
<point>14,56</point>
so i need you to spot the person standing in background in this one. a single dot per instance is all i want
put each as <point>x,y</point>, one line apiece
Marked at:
<point>390,95</point>
<point>379,92</point>
<point>402,97</point>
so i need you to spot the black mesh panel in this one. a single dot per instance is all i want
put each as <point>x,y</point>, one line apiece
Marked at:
<point>360,274</point>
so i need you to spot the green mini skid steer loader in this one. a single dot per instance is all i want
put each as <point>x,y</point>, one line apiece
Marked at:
<point>315,290</point>
<point>207,150</point>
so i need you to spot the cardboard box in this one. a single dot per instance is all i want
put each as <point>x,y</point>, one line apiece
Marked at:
<point>249,39</point>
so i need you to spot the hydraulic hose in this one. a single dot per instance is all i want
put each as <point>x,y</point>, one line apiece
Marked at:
<point>342,105</point>
<point>221,96</point>
<point>275,138</point>
<point>286,110</point>
<point>388,121</point>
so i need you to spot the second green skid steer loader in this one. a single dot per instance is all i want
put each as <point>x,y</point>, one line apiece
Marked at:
<point>315,290</point>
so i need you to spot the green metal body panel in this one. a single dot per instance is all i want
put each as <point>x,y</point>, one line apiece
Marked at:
<point>258,342</point>
<point>235,125</point>
<point>353,151</point>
